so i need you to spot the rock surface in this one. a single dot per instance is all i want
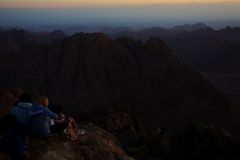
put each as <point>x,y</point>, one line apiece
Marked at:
<point>94,144</point>
<point>117,119</point>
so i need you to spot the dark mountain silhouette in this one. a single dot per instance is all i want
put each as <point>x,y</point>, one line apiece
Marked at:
<point>209,50</point>
<point>203,49</point>
<point>197,45</point>
<point>91,70</point>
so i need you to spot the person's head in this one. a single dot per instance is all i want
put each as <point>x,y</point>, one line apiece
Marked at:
<point>25,97</point>
<point>43,100</point>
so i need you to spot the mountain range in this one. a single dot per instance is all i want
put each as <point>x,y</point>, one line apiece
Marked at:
<point>12,40</point>
<point>199,46</point>
<point>91,70</point>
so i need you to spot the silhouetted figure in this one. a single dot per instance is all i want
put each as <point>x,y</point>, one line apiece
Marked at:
<point>21,111</point>
<point>11,142</point>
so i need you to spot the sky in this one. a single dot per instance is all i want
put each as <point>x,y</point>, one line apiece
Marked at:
<point>32,13</point>
<point>90,3</point>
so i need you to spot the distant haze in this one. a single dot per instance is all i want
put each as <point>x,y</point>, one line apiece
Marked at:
<point>144,13</point>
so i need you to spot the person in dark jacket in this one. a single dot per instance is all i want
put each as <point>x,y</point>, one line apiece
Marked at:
<point>40,119</point>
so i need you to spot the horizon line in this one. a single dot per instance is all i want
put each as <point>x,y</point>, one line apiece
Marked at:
<point>114,5</point>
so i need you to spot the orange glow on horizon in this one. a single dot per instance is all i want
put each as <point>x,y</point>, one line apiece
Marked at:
<point>97,3</point>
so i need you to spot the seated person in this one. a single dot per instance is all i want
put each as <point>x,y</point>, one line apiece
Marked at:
<point>40,118</point>
<point>11,142</point>
<point>59,124</point>
<point>64,125</point>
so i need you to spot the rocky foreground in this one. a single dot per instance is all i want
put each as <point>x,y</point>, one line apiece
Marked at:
<point>117,133</point>
<point>94,144</point>
<point>192,141</point>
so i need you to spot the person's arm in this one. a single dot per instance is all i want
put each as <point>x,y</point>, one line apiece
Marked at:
<point>50,114</point>
<point>61,118</point>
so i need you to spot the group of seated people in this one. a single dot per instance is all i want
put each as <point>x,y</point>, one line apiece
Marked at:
<point>36,114</point>
<point>34,118</point>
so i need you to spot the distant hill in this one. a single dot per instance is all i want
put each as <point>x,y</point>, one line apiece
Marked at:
<point>49,37</point>
<point>188,27</point>
<point>90,70</point>
<point>12,40</point>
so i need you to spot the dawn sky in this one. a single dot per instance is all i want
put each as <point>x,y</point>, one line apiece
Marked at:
<point>122,12</point>
<point>79,3</point>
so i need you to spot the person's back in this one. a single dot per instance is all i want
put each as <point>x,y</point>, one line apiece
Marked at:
<point>21,110</point>
<point>39,124</point>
